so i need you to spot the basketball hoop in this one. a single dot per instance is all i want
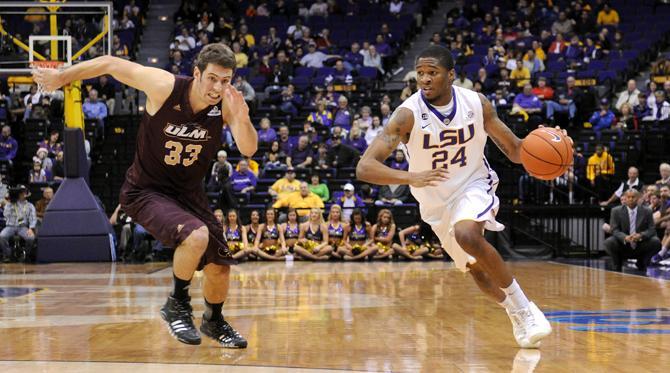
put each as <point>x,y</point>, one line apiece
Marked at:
<point>46,65</point>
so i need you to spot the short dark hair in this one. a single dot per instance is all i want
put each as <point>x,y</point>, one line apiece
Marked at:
<point>442,54</point>
<point>216,53</point>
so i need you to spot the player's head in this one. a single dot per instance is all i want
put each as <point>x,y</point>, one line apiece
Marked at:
<point>435,72</point>
<point>213,71</point>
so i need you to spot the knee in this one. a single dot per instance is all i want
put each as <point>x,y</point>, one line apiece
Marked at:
<point>217,273</point>
<point>198,239</point>
<point>469,240</point>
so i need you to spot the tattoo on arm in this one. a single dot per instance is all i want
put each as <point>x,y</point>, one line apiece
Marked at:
<point>500,145</point>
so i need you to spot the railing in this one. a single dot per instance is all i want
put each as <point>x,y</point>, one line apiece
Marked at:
<point>567,230</point>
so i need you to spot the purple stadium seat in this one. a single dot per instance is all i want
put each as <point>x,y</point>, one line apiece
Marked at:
<point>367,73</point>
<point>306,72</point>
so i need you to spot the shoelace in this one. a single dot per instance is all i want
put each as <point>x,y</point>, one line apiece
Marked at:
<point>185,311</point>
<point>522,315</point>
<point>222,327</point>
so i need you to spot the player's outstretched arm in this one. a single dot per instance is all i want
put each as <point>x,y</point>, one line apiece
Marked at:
<point>498,131</point>
<point>371,167</point>
<point>156,83</point>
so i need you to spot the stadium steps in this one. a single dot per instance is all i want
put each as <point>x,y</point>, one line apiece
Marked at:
<point>435,23</point>
<point>157,35</point>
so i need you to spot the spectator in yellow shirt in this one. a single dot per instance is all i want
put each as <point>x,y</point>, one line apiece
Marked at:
<point>608,16</point>
<point>241,58</point>
<point>521,74</point>
<point>599,171</point>
<point>286,185</point>
<point>302,200</point>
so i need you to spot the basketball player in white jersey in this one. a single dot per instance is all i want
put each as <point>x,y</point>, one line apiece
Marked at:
<point>444,129</point>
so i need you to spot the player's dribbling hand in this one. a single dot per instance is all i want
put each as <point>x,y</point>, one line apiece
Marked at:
<point>428,178</point>
<point>234,108</point>
<point>564,132</point>
<point>49,79</point>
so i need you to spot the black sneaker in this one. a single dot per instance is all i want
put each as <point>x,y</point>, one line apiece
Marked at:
<point>178,314</point>
<point>220,331</point>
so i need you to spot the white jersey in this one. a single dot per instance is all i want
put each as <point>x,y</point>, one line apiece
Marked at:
<point>454,141</point>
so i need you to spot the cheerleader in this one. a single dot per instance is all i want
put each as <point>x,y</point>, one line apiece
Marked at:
<point>313,240</point>
<point>269,240</point>
<point>382,234</point>
<point>357,242</point>
<point>411,245</point>
<point>252,231</point>
<point>236,236</point>
<point>335,230</point>
<point>290,230</point>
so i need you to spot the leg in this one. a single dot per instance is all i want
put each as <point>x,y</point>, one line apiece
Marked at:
<point>188,254</point>
<point>645,251</point>
<point>28,240</point>
<point>615,250</point>
<point>215,290</point>
<point>5,235</point>
<point>485,283</point>
<point>469,236</point>
<point>402,252</point>
<point>304,253</point>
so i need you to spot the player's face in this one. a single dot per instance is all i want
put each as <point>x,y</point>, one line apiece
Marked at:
<point>434,80</point>
<point>212,82</point>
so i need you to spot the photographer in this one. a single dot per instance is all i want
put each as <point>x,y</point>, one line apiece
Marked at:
<point>138,232</point>
<point>21,219</point>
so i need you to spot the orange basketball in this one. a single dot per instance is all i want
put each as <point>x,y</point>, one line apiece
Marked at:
<point>546,153</point>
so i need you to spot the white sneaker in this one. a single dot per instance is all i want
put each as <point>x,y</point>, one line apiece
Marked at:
<point>529,325</point>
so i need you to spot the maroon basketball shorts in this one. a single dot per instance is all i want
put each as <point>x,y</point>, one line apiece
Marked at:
<point>172,218</point>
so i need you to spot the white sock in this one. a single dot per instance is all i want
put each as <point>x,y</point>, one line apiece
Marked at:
<point>507,304</point>
<point>664,250</point>
<point>516,296</point>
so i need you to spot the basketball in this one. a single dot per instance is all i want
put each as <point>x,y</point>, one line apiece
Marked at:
<point>546,153</point>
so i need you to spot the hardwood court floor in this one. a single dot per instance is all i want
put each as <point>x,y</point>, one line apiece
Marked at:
<point>400,317</point>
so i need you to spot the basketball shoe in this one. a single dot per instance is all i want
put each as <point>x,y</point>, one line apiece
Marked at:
<point>529,325</point>
<point>178,314</point>
<point>219,330</point>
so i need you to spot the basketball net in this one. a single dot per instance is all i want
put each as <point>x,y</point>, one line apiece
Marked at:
<point>45,65</point>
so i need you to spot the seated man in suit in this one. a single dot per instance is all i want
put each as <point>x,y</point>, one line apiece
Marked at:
<point>632,240</point>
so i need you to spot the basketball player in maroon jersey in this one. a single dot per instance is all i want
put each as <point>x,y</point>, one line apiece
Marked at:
<point>179,136</point>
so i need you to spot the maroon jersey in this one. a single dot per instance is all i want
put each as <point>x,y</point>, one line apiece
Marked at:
<point>176,146</point>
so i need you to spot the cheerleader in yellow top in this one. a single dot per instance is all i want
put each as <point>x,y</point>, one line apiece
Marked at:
<point>335,230</point>
<point>313,240</point>
<point>382,234</point>
<point>269,240</point>
<point>411,244</point>
<point>236,236</point>
<point>357,242</point>
<point>290,230</point>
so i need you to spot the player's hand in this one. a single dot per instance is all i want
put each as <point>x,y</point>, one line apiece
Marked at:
<point>234,108</point>
<point>564,132</point>
<point>49,79</point>
<point>428,178</point>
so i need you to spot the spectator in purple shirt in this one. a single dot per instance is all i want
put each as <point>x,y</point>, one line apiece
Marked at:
<point>301,155</point>
<point>342,114</point>
<point>574,51</point>
<point>356,140</point>
<point>243,181</point>
<point>527,101</point>
<point>8,146</point>
<point>353,59</point>
<point>399,162</point>
<point>285,142</point>
<point>382,46</point>
<point>266,134</point>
